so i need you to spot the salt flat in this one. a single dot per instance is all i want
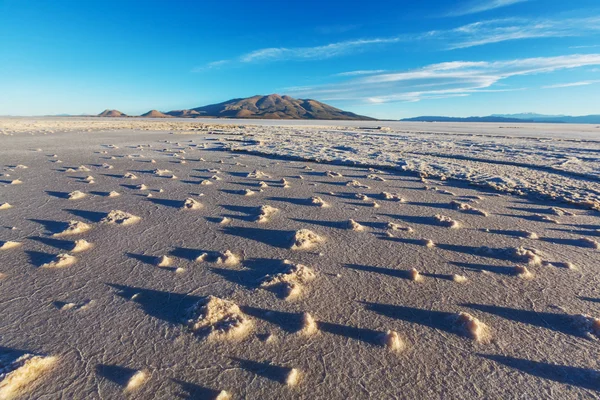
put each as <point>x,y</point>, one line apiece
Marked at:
<point>266,260</point>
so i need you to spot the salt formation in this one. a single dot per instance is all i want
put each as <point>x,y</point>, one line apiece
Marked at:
<point>447,221</point>
<point>305,239</point>
<point>357,184</point>
<point>60,261</point>
<point>119,217</point>
<point>309,325</point>
<point>163,261</point>
<point>522,272</point>
<point>393,197</point>
<point>414,275</point>
<point>219,319</point>
<point>191,204</point>
<point>471,327</point>
<point>265,213</point>
<point>76,195</point>
<point>136,381</point>
<point>427,243</point>
<point>591,243</point>
<point>17,376</point>
<point>248,192</point>
<point>74,228</point>
<point>392,341</point>
<point>9,245</point>
<point>354,226</point>
<point>293,377</point>
<point>5,206</point>
<point>257,175</point>
<point>228,258</point>
<point>292,279</point>
<point>317,201</point>
<point>589,326</point>
<point>332,174</point>
<point>459,278</point>
<point>528,235</point>
<point>129,175</point>
<point>206,182</point>
<point>81,245</point>
<point>114,194</point>
<point>467,208</point>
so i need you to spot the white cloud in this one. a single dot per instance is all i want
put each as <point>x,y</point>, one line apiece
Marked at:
<point>570,84</point>
<point>360,72</point>
<point>477,6</point>
<point>449,79</point>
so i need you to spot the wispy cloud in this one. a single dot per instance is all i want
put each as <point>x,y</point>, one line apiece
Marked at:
<point>360,72</point>
<point>211,65</point>
<point>570,84</point>
<point>449,79</point>
<point>477,6</point>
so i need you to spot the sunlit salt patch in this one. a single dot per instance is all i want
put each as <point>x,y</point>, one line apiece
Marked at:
<point>118,217</point>
<point>60,261</point>
<point>5,206</point>
<point>305,239</point>
<point>162,172</point>
<point>17,376</point>
<point>247,192</point>
<point>225,220</point>
<point>292,280</point>
<point>136,381</point>
<point>293,377</point>
<point>522,272</point>
<point>16,182</point>
<point>375,177</point>
<point>357,184</point>
<point>414,275</point>
<point>392,341</point>
<point>459,278</point>
<point>7,245</point>
<point>256,174</point>
<point>354,226</point>
<point>467,208</point>
<point>216,178</point>
<point>130,175</point>
<point>588,326</point>
<point>114,194</point>
<point>527,234</point>
<point>218,319</point>
<point>163,261</point>
<point>141,187</point>
<point>88,179</point>
<point>76,195</point>
<point>83,168</point>
<point>265,213</point>
<point>393,197</point>
<point>107,166</point>
<point>229,258</point>
<point>427,243</point>
<point>446,221</point>
<point>332,174</point>
<point>262,185</point>
<point>191,204</point>
<point>396,227</point>
<point>74,228</point>
<point>81,245</point>
<point>469,326</point>
<point>206,182</point>
<point>308,325</point>
<point>21,166</point>
<point>319,202</point>
<point>588,242</point>
<point>361,196</point>
<point>560,212</point>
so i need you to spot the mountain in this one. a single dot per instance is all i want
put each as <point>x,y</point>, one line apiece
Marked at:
<point>111,113</point>
<point>490,118</point>
<point>155,114</point>
<point>272,106</point>
<point>518,118</point>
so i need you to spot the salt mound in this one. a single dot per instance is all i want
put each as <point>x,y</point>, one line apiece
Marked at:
<point>522,272</point>
<point>317,201</point>
<point>354,226</point>
<point>395,227</point>
<point>206,182</point>
<point>361,196</point>
<point>258,175</point>
<point>16,182</point>
<point>332,174</point>
<point>357,184</point>
<point>76,195</point>
<point>392,340</point>
<point>291,279</point>
<point>163,261</point>
<point>81,245</point>
<point>392,196</point>
<point>587,325</point>
<point>305,239</point>
<point>309,325</point>
<point>265,212</point>
<point>459,278</point>
<point>427,243</point>
<point>60,261</point>
<point>191,204</point>
<point>447,221</point>
<point>17,376</point>
<point>471,327</point>
<point>228,258</point>
<point>5,206</point>
<point>414,275</point>
<point>293,377</point>
<point>263,185</point>
<point>9,245</point>
<point>161,172</point>
<point>467,208</point>
<point>223,395</point>
<point>546,218</point>
<point>136,381</point>
<point>114,194</point>
<point>141,187</point>
<point>526,255</point>
<point>588,242</point>
<point>225,220</point>
<point>248,192</point>
<point>376,177</point>
<point>74,228</point>
<point>528,235</point>
<point>119,217</point>
<point>129,175</point>
<point>217,318</point>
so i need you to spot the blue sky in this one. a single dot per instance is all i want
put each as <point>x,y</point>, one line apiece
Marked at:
<point>388,59</point>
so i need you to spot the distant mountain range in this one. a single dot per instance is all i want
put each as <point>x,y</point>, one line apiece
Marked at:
<point>272,106</point>
<point>517,118</point>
